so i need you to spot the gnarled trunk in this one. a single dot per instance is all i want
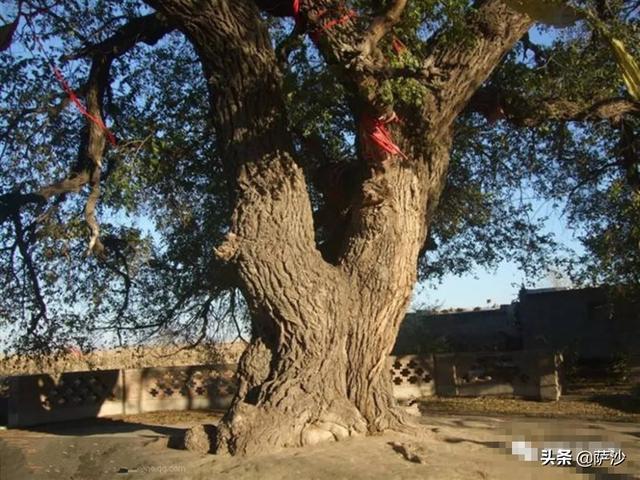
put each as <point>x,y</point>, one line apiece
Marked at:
<point>317,365</point>
<point>316,368</point>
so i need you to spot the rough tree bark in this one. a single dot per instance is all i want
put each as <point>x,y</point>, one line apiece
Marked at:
<point>316,366</point>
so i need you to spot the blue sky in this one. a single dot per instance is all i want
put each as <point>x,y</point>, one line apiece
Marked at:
<point>482,288</point>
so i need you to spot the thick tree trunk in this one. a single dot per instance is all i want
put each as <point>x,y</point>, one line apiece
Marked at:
<point>316,368</point>
<point>317,365</point>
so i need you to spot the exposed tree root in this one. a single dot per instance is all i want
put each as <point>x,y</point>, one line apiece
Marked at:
<point>248,429</point>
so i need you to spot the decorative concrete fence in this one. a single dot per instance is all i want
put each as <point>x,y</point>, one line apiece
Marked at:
<point>526,374</point>
<point>38,399</point>
<point>412,376</point>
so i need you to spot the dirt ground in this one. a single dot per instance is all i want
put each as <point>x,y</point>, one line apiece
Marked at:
<point>450,447</point>
<point>462,438</point>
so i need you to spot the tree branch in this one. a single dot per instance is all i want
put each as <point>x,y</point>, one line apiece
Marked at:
<point>629,147</point>
<point>33,275</point>
<point>97,142</point>
<point>353,53</point>
<point>148,29</point>
<point>382,24</point>
<point>13,202</point>
<point>495,28</point>
<point>530,112</point>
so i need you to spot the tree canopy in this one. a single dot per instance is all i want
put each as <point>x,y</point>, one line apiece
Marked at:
<point>122,240</point>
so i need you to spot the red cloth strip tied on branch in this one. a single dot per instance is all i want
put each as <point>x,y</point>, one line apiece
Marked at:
<point>377,143</point>
<point>398,46</point>
<point>296,12</point>
<point>316,34</point>
<point>96,119</point>
<point>80,106</point>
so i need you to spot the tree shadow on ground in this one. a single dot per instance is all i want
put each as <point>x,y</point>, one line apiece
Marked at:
<point>484,444</point>
<point>99,426</point>
<point>107,426</point>
<point>625,402</point>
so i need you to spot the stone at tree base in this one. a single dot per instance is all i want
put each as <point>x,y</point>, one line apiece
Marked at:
<point>314,436</point>
<point>412,407</point>
<point>410,451</point>
<point>198,439</point>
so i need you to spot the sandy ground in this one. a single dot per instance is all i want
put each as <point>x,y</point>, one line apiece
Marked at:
<point>452,447</point>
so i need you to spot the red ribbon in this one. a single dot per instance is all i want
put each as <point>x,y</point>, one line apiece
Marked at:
<point>398,46</point>
<point>72,95</point>
<point>315,35</point>
<point>376,131</point>
<point>296,11</point>
<point>80,106</point>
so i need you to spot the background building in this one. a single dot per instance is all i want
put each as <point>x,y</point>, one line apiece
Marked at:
<point>591,323</point>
